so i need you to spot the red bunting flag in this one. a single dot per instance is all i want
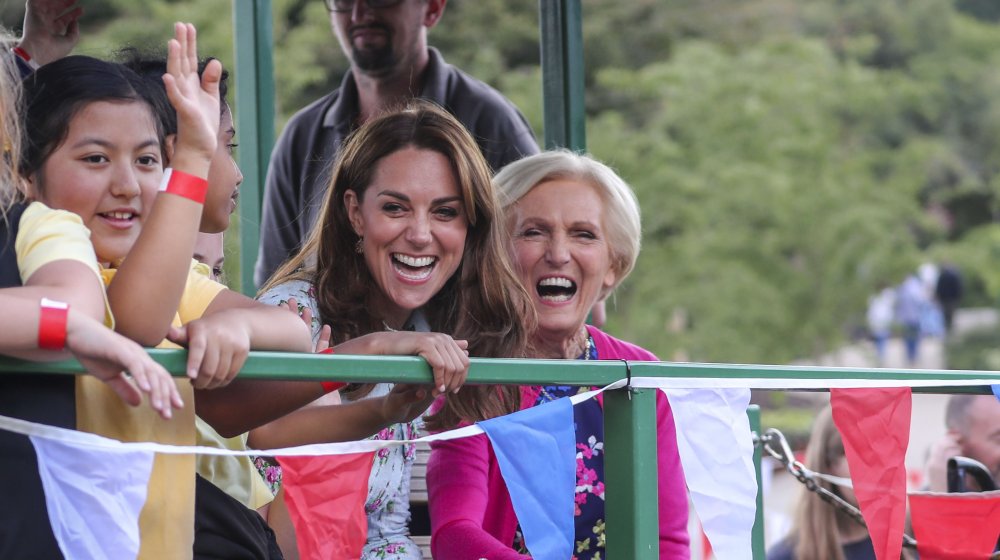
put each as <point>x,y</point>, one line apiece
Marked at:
<point>875,427</point>
<point>326,502</point>
<point>955,526</point>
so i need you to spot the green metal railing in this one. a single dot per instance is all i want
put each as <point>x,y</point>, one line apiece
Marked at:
<point>630,422</point>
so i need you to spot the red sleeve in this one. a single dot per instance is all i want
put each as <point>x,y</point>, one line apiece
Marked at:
<point>458,488</point>
<point>673,511</point>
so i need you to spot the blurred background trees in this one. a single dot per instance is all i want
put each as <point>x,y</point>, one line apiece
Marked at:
<point>789,155</point>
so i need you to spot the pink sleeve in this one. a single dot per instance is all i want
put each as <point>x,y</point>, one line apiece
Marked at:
<point>458,487</point>
<point>673,510</point>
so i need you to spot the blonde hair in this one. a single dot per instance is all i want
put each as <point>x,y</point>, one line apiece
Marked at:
<point>11,184</point>
<point>621,209</point>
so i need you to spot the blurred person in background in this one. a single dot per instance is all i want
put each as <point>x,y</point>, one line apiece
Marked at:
<point>820,531</point>
<point>973,423</point>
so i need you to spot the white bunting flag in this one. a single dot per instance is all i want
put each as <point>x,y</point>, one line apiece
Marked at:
<point>94,496</point>
<point>716,449</point>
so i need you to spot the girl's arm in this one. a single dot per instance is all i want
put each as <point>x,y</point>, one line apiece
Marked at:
<point>458,495</point>
<point>147,288</point>
<point>218,344</point>
<point>106,355</point>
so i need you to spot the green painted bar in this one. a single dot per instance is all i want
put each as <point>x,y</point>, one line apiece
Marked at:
<point>278,365</point>
<point>757,545</point>
<point>630,472</point>
<point>745,371</point>
<point>561,46</point>
<point>255,121</point>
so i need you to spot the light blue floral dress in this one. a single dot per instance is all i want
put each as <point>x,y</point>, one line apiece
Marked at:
<point>388,504</point>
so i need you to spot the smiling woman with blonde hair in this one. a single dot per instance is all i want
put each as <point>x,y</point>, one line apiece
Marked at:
<point>575,232</point>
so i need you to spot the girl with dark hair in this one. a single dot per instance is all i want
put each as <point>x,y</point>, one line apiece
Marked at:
<point>409,245</point>
<point>97,149</point>
<point>53,298</point>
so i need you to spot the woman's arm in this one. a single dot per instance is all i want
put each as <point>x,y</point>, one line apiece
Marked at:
<point>343,422</point>
<point>675,543</point>
<point>446,356</point>
<point>458,496</point>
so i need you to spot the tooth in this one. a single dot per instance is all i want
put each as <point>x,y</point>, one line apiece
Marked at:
<point>560,282</point>
<point>416,262</point>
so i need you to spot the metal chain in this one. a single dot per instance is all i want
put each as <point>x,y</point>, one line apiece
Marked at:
<point>785,456</point>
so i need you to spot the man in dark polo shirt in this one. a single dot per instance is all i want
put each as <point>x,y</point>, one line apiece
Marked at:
<point>386,43</point>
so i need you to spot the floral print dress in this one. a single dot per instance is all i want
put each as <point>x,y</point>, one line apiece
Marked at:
<point>388,503</point>
<point>588,418</point>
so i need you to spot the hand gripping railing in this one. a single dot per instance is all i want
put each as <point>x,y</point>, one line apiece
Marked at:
<point>630,422</point>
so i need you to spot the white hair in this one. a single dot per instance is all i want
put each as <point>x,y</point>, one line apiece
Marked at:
<point>621,209</point>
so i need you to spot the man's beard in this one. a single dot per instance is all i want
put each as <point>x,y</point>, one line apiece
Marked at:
<point>375,60</point>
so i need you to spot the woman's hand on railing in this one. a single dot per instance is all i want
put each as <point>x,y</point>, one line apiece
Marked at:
<point>112,358</point>
<point>447,357</point>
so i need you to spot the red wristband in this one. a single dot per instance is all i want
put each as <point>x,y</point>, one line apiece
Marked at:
<point>330,386</point>
<point>184,184</point>
<point>52,324</point>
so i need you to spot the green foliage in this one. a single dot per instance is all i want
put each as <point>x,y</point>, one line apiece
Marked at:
<point>789,155</point>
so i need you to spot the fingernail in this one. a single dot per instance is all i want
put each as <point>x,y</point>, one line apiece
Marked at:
<point>442,389</point>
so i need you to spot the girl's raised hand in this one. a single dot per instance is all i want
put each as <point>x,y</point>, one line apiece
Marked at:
<point>108,356</point>
<point>196,100</point>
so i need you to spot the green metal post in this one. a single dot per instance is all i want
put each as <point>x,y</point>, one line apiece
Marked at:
<point>562,73</point>
<point>255,121</point>
<point>757,537</point>
<point>632,525</point>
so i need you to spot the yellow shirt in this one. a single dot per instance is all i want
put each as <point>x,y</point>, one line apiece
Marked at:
<point>45,235</point>
<point>166,524</point>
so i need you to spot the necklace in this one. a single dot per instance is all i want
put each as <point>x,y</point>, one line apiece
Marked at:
<point>545,395</point>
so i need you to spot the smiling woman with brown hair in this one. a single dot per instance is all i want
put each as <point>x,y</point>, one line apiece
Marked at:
<point>409,242</point>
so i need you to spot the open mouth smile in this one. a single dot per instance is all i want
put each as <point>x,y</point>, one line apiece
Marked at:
<point>556,289</point>
<point>412,268</point>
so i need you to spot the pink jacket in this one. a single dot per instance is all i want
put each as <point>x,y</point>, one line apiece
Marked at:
<point>471,513</point>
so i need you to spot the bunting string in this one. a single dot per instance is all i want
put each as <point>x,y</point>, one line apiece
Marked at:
<point>93,441</point>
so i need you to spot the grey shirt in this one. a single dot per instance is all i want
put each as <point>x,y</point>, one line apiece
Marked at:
<point>303,156</point>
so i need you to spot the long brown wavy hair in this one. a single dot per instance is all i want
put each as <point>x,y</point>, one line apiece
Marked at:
<point>817,524</point>
<point>483,302</point>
